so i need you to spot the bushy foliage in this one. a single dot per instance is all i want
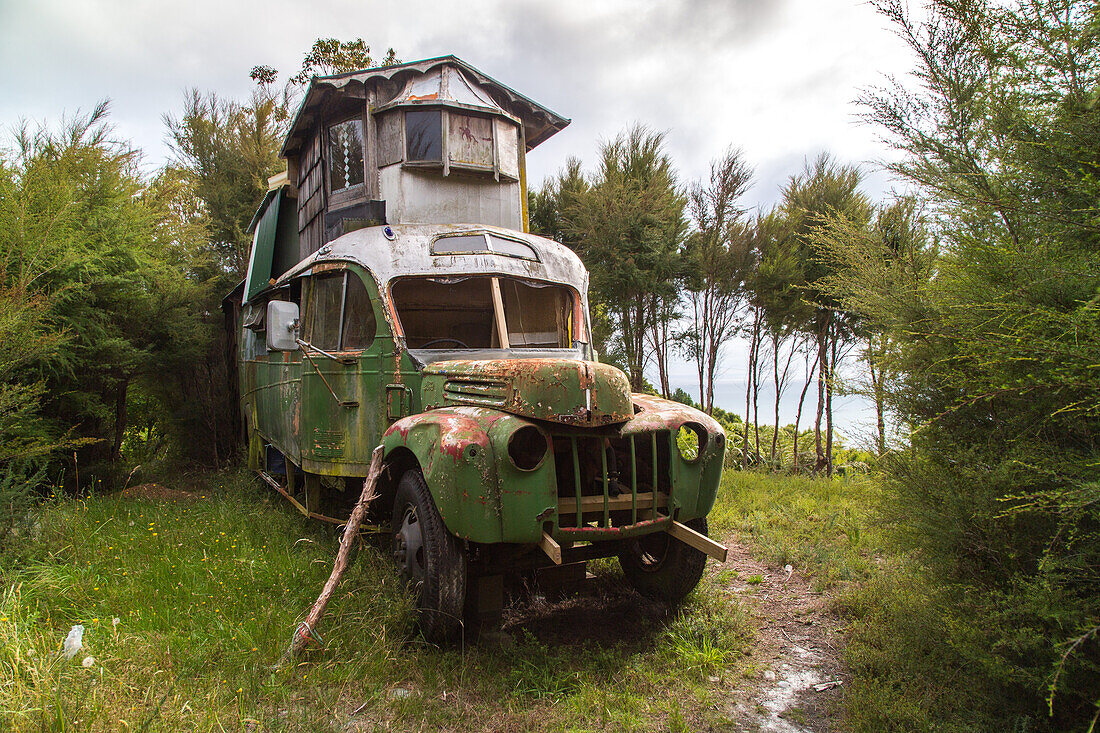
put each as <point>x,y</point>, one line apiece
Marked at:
<point>82,252</point>
<point>626,221</point>
<point>998,345</point>
<point>25,441</point>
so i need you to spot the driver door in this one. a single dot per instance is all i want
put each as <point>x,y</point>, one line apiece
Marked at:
<point>343,412</point>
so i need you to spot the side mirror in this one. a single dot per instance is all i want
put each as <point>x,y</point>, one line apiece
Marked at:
<point>282,326</point>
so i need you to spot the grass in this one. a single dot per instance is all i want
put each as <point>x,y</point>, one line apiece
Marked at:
<point>207,593</point>
<point>821,527</point>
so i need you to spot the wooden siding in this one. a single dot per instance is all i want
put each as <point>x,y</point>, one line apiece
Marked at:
<point>311,196</point>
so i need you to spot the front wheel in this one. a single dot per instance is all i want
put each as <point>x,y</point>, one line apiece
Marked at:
<point>662,567</point>
<point>429,558</point>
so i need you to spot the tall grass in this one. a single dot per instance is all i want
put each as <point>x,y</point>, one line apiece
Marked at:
<point>207,593</point>
<point>823,527</point>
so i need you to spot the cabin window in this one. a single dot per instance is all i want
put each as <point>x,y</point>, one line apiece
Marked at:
<point>345,157</point>
<point>458,244</point>
<point>470,140</point>
<point>340,315</point>
<point>507,139</point>
<point>446,313</point>
<point>512,248</point>
<point>452,139</point>
<point>459,313</point>
<point>326,292</point>
<point>359,323</point>
<point>424,135</point>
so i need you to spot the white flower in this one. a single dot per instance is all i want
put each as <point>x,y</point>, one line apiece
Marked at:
<point>88,662</point>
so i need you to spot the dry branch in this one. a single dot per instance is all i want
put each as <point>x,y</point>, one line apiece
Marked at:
<point>306,628</point>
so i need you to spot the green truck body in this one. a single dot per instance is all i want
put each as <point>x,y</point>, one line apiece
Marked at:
<point>368,319</point>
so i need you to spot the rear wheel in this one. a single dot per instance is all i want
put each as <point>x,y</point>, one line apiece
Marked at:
<point>662,567</point>
<point>429,558</point>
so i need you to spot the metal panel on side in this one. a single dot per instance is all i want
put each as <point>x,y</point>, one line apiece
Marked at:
<point>263,248</point>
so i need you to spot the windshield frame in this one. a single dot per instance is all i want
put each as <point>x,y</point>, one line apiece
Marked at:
<point>581,342</point>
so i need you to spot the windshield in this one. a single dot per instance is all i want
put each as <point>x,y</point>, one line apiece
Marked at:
<point>484,312</point>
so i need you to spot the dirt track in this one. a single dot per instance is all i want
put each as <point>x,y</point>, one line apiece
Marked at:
<point>797,649</point>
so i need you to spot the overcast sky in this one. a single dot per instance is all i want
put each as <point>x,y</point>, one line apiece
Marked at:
<point>777,78</point>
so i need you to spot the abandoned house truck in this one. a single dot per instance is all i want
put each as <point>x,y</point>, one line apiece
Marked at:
<point>394,298</point>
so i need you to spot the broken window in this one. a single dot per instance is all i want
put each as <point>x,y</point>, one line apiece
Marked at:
<point>446,313</point>
<point>424,135</point>
<point>324,311</point>
<point>345,156</point>
<point>391,144</point>
<point>459,313</point>
<point>507,135</point>
<point>468,142</point>
<point>538,315</point>
<point>339,315</point>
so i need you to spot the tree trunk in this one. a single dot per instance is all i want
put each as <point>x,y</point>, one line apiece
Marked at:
<point>756,390</point>
<point>658,333</point>
<point>120,418</point>
<point>822,362</point>
<point>775,381</point>
<point>798,415</point>
<point>878,390</point>
<point>748,397</point>
<point>829,407</point>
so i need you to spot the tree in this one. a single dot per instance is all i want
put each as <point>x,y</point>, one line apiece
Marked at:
<point>224,153</point>
<point>80,232</point>
<point>997,352</point>
<point>627,227</point>
<point>716,255</point>
<point>330,56</point>
<point>546,205</point>
<point>823,190</point>
<point>896,255</point>
<point>228,151</point>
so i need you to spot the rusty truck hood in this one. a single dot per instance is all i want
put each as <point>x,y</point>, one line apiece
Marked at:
<point>568,391</point>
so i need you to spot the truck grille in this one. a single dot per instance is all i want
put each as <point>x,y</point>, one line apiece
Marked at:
<point>488,392</point>
<point>611,483</point>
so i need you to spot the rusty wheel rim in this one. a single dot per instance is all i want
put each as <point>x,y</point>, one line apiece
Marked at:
<point>409,548</point>
<point>652,551</point>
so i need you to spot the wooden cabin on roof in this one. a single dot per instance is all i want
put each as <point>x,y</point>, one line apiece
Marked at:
<point>433,142</point>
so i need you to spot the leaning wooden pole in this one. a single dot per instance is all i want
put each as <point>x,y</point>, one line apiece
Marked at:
<point>307,628</point>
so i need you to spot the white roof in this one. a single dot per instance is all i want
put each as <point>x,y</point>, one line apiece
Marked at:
<point>409,253</point>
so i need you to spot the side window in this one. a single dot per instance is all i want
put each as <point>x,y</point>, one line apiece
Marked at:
<point>324,310</point>
<point>423,135</point>
<point>359,323</point>
<point>340,317</point>
<point>345,158</point>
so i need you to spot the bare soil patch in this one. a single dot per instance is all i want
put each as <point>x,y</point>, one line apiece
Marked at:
<point>797,651</point>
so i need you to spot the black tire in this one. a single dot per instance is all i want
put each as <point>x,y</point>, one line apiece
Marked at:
<point>662,567</point>
<point>430,559</point>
